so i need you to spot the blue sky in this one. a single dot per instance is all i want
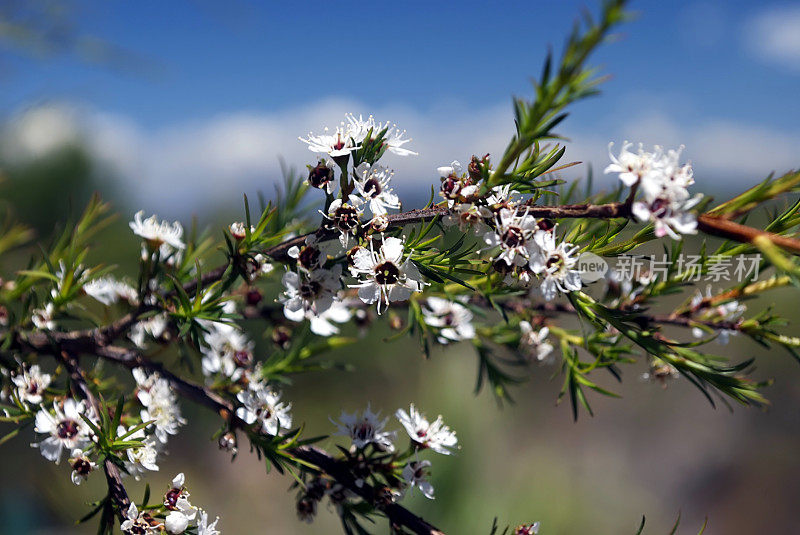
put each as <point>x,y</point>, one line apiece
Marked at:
<point>705,74</point>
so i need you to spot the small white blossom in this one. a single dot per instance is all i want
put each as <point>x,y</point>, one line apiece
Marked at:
<point>393,139</point>
<point>229,351</point>
<point>386,277</point>
<point>729,312</point>
<point>138,523</point>
<point>453,319</point>
<point>372,185</point>
<point>181,511</point>
<point>364,429</point>
<point>336,144</point>
<point>42,318</point>
<point>513,235</point>
<point>108,291</point>
<point>31,384</point>
<point>663,181</point>
<point>263,405</point>
<point>555,263</point>
<point>434,435</point>
<point>157,233</point>
<point>204,527</point>
<point>142,458</point>
<point>534,342</point>
<point>309,292</point>
<point>345,217</point>
<point>81,465</point>
<point>160,404</point>
<point>415,474</point>
<point>154,326</point>
<point>632,167</point>
<point>65,429</point>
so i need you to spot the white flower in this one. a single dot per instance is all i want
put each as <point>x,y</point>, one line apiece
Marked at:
<point>137,523</point>
<point>633,167</point>
<point>729,312</point>
<point>513,233</point>
<point>31,384</point>
<point>157,233</point>
<point>669,216</point>
<point>81,465</point>
<point>181,511</point>
<point>339,143</point>
<point>108,291</point>
<point>386,277</point>
<point>160,404</point>
<point>453,319</point>
<point>345,217</point>
<point>314,253</point>
<point>309,292</point>
<point>65,429</point>
<point>141,458</point>
<point>364,429</point>
<point>42,318</point>
<point>229,351</point>
<point>323,324</point>
<point>468,215</point>
<point>392,139</point>
<point>262,266</point>
<point>501,196</point>
<point>663,181</point>
<point>154,326</point>
<point>415,474</point>
<point>555,263</point>
<point>434,435</point>
<point>263,405</point>
<point>372,185</point>
<point>203,527</point>
<point>535,342</point>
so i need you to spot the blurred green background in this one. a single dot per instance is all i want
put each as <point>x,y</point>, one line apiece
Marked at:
<point>657,452</point>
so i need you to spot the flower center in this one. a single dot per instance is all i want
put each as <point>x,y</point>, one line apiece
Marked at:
<point>310,289</point>
<point>513,237</point>
<point>320,176</point>
<point>555,264</point>
<point>346,217</point>
<point>363,431</point>
<point>82,467</point>
<point>171,498</point>
<point>372,188</point>
<point>242,358</point>
<point>309,257</point>
<point>67,429</point>
<point>387,273</point>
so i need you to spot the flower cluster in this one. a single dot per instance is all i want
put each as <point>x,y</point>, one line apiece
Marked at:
<point>368,429</point>
<point>262,406</point>
<point>179,515</point>
<point>664,182</point>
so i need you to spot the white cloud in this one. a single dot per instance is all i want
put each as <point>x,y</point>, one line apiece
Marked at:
<point>187,167</point>
<point>774,35</point>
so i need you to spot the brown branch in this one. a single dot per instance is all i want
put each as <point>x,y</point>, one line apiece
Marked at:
<point>730,230</point>
<point>116,490</point>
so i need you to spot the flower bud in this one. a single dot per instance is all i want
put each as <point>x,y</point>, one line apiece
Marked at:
<point>253,297</point>
<point>227,442</point>
<point>281,336</point>
<point>320,176</point>
<point>238,231</point>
